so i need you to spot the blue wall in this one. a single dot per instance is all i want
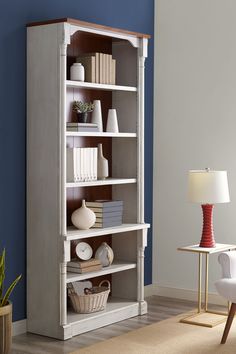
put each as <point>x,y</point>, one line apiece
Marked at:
<point>134,15</point>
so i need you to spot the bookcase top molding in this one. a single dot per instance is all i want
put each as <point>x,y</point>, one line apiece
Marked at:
<point>89,25</point>
<point>71,26</point>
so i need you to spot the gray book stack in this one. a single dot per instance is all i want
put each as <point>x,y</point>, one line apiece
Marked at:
<point>108,212</point>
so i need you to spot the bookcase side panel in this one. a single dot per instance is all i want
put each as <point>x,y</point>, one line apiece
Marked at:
<point>125,104</point>
<point>127,193</point>
<point>43,181</point>
<point>126,63</point>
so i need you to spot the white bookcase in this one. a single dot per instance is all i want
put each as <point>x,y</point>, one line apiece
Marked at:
<point>51,48</point>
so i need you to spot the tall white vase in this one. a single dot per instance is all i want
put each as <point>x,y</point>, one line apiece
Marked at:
<point>97,115</point>
<point>112,123</point>
<point>102,164</point>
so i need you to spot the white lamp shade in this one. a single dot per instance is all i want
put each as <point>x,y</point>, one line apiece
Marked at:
<point>208,187</point>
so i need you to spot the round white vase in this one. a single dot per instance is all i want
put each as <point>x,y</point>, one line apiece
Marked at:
<point>105,254</point>
<point>112,123</point>
<point>77,72</point>
<point>97,115</point>
<point>102,171</point>
<point>83,218</point>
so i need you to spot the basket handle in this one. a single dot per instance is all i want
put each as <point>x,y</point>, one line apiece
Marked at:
<point>107,282</point>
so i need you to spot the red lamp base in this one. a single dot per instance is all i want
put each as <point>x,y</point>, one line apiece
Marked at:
<point>207,239</point>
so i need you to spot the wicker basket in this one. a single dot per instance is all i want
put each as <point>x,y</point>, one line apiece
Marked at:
<point>91,302</point>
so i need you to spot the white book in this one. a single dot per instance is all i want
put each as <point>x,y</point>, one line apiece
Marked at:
<point>78,164</point>
<point>82,164</point>
<point>95,163</point>
<point>70,165</point>
<point>106,68</point>
<point>110,69</point>
<point>113,71</point>
<point>86,165</point>
<point>91,164</point>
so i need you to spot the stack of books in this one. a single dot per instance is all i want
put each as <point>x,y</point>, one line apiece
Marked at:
<point>81,164</point>
<point>99,68</point>
<point>82,127</point>
<point>108,212</point>
<point>81,267</point>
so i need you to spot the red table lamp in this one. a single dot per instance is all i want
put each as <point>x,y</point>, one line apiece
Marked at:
<point>208,187</point>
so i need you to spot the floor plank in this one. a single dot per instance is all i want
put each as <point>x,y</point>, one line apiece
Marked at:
<point>159,308</point>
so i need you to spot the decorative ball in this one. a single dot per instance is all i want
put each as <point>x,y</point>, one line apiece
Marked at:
<point>105,254</point>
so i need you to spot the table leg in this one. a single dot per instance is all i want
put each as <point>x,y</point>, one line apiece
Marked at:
<point>199,282</point>
<point>206,281</point>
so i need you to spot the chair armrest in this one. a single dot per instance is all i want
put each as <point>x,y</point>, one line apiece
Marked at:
<point>227,261</point>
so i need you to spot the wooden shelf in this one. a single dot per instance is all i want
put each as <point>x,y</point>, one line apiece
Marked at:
<point>117,309</point>
<point>105,182</point>
<point>112,305</point>
<point>94,86</point>
<point>75,234</point>
<point>102,134</point>
<point>117,266</point>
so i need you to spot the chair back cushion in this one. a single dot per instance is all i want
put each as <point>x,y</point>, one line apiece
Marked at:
<point>227,261</point>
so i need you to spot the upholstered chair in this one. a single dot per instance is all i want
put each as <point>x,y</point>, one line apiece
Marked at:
<point>226,286</point>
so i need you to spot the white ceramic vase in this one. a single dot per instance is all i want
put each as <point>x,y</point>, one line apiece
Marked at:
<point>102,172</point>
<point>83,218</point>
<point>97,115</point>
<point>105,254</point>
<point>112,123</point>
<point>77,72</point>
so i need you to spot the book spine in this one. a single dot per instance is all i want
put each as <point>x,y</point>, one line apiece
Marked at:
<point>86,164</point>
<point>95,163</point>
<point>89,125</point>
<point>103,225</point>
<point>93,69</point>
<point>97,67</point>
<point>110,69</point>
<point>109,218</point>
<point>106,210</point>
<point>70,165</point>
<point>81,129</point>
<point>84,270</point>
<point>90,164</point>
<point>105,68</point>
<point>84,264</point>
<point>81,164</point>
<point>107,215</point>
<point>78,165</point>
<point>108,204</point>
<point>113,71</point>
<point>101,68</point>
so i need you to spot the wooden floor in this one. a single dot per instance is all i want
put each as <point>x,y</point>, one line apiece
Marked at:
<point>159,308</point>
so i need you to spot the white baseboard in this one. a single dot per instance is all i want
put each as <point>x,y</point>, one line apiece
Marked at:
<point>19,327</point>
<point>183,294</point>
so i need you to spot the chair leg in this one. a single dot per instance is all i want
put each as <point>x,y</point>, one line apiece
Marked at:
<point>228,323</point>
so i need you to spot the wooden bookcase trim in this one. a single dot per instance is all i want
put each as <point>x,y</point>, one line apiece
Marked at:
<point>73,21</point>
